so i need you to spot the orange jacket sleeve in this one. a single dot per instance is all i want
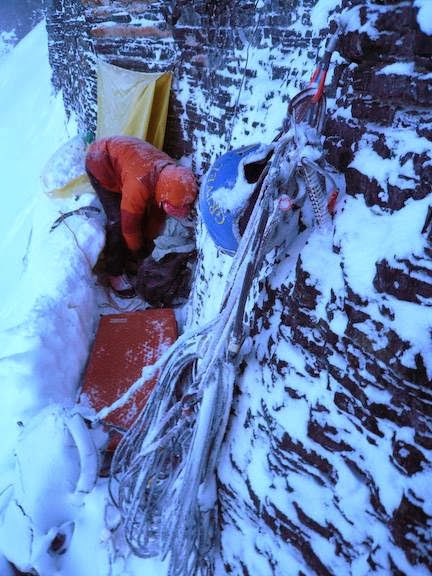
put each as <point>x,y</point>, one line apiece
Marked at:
<point>98,163</point>
<point>136,197</point>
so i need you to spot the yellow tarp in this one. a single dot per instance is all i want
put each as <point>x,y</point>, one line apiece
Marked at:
<point>129,103</point>
<point>132,103</point>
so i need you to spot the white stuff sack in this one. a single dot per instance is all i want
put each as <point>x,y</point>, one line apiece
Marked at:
<point>65,165</point>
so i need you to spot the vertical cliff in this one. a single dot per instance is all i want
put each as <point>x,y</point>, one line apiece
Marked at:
<point>334,410</point>
<point>208,45</point>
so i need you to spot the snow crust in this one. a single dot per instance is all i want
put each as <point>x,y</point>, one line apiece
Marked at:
<point>398,68</point>
<point>47,320</point>
<point>424,15</point>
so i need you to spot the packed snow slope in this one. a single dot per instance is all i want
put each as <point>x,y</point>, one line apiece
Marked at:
<point>47,321</point>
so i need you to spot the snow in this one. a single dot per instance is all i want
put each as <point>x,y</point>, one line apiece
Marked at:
<point>367,236</point>
<point>390,170</point>
<point>47,320</point>
<point>24,119</point>
<point>398,68</point>
<point>351,20</point>
<point>7,41</point>
<point>424,15</point>
<point>320,13</point>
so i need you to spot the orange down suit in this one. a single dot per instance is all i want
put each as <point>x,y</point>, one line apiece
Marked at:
<point>145,177</point>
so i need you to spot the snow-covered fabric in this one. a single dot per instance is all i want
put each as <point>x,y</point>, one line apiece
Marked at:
<point>64,174</point>
<point>178,236</point>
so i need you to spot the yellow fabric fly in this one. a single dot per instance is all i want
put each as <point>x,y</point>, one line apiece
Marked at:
<point>129,103</point>
<point>132,103</point>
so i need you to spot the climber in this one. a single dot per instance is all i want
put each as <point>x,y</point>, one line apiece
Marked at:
<point>138,186</point>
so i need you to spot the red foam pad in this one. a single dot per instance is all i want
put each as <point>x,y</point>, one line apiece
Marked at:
<point>123,345</point>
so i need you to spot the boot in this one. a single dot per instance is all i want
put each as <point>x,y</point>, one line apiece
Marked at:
<point>121,286</point>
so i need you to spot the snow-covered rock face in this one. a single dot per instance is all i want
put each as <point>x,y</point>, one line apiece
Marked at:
<point>327,460</point>
<point>326,464</point>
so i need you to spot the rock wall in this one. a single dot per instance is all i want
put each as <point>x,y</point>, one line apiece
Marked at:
<point>72,58</point>
<point>203,43</point>
<point>386,86</point>
<point>327,461</point>
<point>334,409</point>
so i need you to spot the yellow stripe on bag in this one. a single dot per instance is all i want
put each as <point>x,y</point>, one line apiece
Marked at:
<point>75,187</point>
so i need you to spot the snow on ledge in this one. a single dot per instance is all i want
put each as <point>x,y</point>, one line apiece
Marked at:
<point>424,15</point>
<point>399,69</point>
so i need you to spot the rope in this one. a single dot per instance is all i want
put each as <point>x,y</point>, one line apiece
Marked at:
<point>243,78</point>
<point>162,461</point>
<point>163,467</point>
